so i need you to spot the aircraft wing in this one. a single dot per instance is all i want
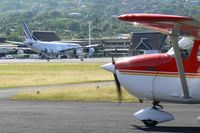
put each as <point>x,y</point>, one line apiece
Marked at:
<point>93,45</point>
<point>187,26</point>
<point>16,43</point>
<point>174,26</point>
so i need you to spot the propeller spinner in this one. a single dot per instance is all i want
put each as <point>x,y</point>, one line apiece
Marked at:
<point>111,67</point>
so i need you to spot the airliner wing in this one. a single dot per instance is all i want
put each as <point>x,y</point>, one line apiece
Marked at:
<point>16,43</point>
<point>92,45</point>
<point>187,26</point>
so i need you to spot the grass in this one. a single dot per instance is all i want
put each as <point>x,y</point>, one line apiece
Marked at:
<point>36,74</point>
<point>84,94</point>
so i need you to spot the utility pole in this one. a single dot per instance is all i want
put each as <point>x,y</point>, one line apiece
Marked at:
<point>89,33</point>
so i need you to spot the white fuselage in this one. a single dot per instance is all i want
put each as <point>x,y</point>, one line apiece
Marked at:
<point>157,87</point>
<point>54,47</point>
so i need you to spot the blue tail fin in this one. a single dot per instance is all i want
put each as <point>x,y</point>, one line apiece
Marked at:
<point>27,33</point>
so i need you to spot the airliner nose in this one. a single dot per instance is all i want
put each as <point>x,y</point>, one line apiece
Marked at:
<point>109,67</point>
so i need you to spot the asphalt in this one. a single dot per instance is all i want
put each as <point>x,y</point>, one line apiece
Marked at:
<point>85,60</point>
<point>78,117</point>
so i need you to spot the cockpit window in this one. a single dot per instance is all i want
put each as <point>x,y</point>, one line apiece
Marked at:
<point>185,53</point>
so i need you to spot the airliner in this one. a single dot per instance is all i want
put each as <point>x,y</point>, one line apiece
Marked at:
<point>49,50</point>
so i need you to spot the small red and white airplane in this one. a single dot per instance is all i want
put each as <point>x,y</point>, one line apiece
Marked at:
<point>165,77</point>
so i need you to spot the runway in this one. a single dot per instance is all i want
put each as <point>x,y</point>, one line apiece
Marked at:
<point>78,117</point>
<point>85,60</point>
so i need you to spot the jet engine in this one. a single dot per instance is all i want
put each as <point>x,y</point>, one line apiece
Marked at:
<point>20,52</point>
<point>79,53</point>
<point>91,52</point>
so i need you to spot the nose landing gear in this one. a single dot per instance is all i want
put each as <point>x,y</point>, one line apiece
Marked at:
<point>151,116</point>
<point>156,105</point>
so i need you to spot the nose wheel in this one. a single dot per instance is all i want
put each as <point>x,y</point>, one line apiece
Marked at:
<point>151,116</point>
<point>150,123</point>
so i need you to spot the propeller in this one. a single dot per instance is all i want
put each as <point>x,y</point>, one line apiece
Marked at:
<point>118,86</point>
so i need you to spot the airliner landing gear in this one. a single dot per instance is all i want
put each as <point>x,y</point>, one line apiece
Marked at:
<point>151,116</point>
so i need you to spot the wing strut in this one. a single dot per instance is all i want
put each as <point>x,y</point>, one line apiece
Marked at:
<point>179,62</point>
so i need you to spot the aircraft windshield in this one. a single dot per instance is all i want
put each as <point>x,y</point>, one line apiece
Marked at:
<point>185,43</point>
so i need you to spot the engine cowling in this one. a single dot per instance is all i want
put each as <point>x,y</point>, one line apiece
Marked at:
<point>91,52</point>
<point>79,53</point>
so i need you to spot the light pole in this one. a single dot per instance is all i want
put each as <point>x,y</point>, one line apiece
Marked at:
<point>89,32</point>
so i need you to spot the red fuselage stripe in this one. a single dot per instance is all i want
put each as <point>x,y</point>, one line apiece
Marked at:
<point>158,73</point>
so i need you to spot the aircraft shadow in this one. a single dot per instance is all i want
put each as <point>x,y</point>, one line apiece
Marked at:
<point>167,129</point>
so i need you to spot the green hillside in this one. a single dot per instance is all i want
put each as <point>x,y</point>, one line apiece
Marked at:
<point>69,18</point>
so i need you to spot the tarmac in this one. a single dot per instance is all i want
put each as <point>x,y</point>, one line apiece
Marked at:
<point>80,117</point>
<point>85,60</point>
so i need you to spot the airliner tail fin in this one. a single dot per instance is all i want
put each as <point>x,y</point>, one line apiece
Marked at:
<point>27,33</point>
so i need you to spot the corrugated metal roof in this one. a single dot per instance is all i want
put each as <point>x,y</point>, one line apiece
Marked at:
<point>148,41</point>
<point>46,35</point>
